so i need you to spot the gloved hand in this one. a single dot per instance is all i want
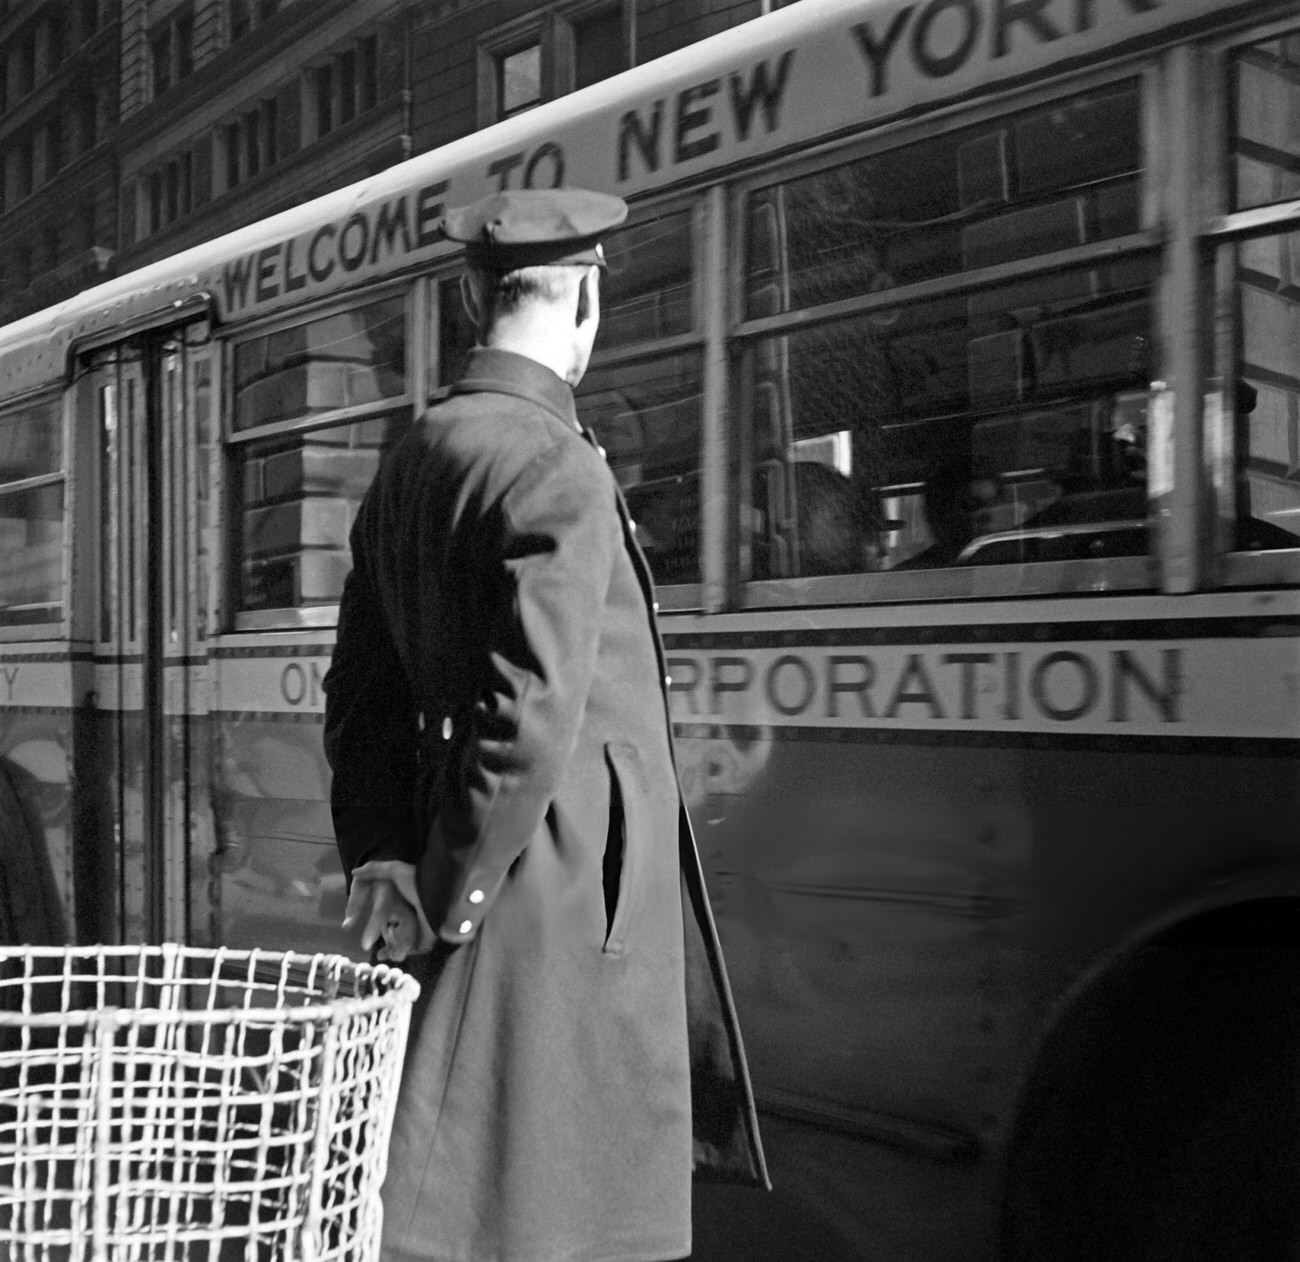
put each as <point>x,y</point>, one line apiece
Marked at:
<point>385,902</point>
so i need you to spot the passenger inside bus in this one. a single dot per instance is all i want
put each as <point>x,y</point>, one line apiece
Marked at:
<point>948,502</point>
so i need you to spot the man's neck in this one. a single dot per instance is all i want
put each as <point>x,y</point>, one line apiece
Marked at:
<point>537,344</point>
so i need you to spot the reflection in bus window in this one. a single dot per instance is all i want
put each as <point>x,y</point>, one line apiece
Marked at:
<point>981,427</point>
<point>1266,396</point>
<point>300,473</point>
<point>31,515</point>
<point>647,417</point>
<point>344,360</point>
<point>1266,136</point>
<point>646,411</point>
<point>300,493</point>
<point>1029,184</point>
<point>646,289</point>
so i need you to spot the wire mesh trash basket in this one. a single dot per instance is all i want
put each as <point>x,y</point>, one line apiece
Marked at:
<point>171,1102</point>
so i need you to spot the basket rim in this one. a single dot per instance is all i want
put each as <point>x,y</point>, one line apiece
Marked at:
<point>399,987</point>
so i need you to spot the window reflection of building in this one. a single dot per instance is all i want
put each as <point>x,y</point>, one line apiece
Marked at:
<point>644,400</point>
<point>302,471</point>
<point>31,514</point>
<point>1266,394</point>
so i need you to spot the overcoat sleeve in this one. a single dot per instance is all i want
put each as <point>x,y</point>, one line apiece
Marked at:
<point>370,730</point>
<point>546,573</point>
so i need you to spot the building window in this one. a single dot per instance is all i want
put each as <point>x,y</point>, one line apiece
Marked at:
<point>87,19</point>
<point>324,99</point>
<point>87,114</point>
<point>155,195</point>
<point>56,39</point>
<point>252,143</point>
<point>23,175</point>
<point>347,74</point>
<point>170,191</point>
<point>252,146</point>
<point>244,15</point>
<point>171,50</point>
<point>547,56</point>
<point>160,50</point>
<point>345,86</point>
<point>54,146</point>
<point>269,130</point>
<point>368,73</point>
<point>519,80</point>
<point>599,51</point>
<point>27,65</point>
<point>184,45</point>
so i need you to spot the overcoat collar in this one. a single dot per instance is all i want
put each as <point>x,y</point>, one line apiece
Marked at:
<point>505,372</point>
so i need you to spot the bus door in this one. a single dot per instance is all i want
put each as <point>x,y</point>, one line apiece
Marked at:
<point>145,395</point>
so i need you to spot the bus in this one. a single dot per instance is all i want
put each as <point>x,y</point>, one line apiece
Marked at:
<point>950,365</point>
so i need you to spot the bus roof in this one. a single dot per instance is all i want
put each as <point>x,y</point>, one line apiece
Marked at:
<point>804,74</point>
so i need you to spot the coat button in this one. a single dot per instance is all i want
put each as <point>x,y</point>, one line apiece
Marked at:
<point>466,926</point>
<point>476,896</point>
<point>446,728</point>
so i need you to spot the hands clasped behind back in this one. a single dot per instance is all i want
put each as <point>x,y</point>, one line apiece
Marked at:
<point>384,901</point>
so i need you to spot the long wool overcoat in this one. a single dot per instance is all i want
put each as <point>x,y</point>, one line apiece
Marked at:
<point>496,713</point>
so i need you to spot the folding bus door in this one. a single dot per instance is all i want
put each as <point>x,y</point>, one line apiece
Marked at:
<point>150,674</point>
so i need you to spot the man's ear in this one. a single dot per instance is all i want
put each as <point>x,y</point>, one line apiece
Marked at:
<point>588,295</point>
<point>469,297</point>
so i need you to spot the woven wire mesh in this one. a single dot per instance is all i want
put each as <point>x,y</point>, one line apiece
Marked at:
<point>179,1103</point>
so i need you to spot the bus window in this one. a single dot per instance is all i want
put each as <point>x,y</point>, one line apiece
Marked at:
<point>301,470</point>
<point>642,398</point>
<point>1266,170</point>
<point>647,417</point>
<point>456,334</point>
<point>31,515</point>
<point>1004,423</point>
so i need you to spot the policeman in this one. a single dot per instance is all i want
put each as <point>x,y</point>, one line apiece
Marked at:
<point>507,805</point>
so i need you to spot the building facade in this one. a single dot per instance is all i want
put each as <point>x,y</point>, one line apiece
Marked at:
<point>59,66</point>
<point>131,129</point>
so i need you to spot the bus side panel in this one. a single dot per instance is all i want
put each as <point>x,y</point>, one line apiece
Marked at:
<point>900,920</point>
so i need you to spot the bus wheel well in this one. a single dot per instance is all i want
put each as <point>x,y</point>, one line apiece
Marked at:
<point>29,903</point>
<point>1162,1118</point>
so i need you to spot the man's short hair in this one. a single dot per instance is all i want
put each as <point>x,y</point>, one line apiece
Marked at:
<point>505,292</point>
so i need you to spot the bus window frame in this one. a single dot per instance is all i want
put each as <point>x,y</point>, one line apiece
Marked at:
<point>1137,573</point>
<point>1224,229</point>
<point>58,394</point>
<point>708,227</point>
<point>306,617</point>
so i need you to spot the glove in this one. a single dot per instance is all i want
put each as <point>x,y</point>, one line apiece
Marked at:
<point>384,900</point>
